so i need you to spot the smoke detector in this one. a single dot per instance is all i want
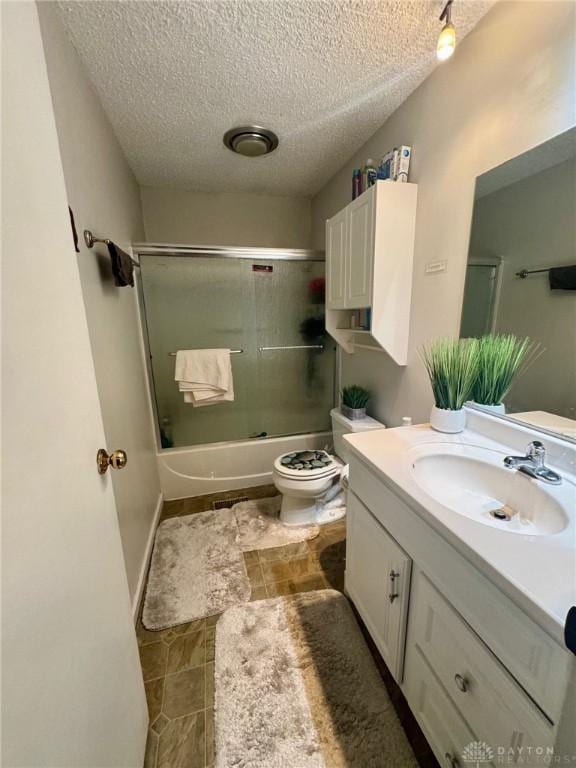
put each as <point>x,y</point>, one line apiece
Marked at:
<point>251,140</point>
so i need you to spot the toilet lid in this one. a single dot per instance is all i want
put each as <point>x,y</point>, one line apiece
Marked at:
<point>306,464</point>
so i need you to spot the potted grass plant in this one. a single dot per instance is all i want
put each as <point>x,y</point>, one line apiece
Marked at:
<point>452,365</point>
<point>354,401</point>
<point>500,358</point>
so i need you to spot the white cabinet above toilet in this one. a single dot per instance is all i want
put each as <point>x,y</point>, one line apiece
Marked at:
<point>369,254</point>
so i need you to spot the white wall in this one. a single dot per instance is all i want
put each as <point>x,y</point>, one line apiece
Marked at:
<point>530,225</point>
<point>226,218</point>
<point>104,196</point>
<point>509,86</point>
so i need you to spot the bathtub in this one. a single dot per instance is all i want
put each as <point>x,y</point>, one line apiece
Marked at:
<point>226,466</point>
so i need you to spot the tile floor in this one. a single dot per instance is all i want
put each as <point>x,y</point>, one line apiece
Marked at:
<point>178,664</point>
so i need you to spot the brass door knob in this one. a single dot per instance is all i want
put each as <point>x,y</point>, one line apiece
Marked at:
<point>116,460</point>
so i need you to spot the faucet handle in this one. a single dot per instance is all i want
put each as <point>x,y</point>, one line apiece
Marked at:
<point>537,452</point>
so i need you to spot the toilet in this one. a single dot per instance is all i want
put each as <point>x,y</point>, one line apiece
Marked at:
<point>304,477</point>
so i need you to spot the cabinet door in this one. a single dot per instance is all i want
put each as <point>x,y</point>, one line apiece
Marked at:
<point>336,260</point>
<point>360,251</point>
<point>378,581</point>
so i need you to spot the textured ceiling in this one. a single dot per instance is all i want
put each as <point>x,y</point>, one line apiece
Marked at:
<point>323,74</point>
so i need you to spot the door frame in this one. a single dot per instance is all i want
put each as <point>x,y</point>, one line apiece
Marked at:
<point>497,262</point>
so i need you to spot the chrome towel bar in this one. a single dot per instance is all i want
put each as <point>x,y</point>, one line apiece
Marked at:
<point>295,346</point>
<point>91,241</point>
<point>270,349</point>
<point>232,352</point>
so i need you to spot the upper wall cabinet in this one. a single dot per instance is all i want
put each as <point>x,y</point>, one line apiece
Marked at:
<point>360,252</point>
<point>336,264</point>
<point>369,255</point>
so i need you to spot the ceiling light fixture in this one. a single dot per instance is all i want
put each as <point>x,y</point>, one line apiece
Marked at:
<point>251,140</point>
<point>447,37</point>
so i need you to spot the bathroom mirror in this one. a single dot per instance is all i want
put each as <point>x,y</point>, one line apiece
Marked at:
<point>523,230</point>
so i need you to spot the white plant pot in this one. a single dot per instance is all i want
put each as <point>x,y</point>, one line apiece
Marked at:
<point>500,408</point>
<point>444,420</point>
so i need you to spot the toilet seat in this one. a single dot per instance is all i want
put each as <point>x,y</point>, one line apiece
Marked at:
<point>304,475</point>
<point>315,473</point>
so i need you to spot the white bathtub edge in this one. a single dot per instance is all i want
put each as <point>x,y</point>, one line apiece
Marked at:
<point>213,468</point>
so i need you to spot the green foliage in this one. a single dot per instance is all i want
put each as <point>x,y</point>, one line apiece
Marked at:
<point>452,366</point>
<point>355,396</point>
<point>501,357</point>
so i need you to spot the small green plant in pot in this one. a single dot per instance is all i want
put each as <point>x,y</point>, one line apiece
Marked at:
<point>500,358</point>
<point>452,365</point>
<point>354,401</point>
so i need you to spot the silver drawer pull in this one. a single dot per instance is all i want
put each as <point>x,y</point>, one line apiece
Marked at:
<point>461,683</point>
<point>451,761</point>
<point>392,595</point>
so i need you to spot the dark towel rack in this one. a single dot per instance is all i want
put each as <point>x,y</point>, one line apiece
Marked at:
<point>523,274</point>
<point>90,241</point>
<point>232,352</point>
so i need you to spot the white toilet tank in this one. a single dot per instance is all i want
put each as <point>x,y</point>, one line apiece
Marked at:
<point>343,426</point>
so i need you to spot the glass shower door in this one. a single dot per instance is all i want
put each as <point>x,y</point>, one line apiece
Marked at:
<point>206,302</point>
<point>296,361</point>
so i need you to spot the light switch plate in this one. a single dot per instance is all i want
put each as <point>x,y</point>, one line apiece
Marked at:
<point>433,267</point>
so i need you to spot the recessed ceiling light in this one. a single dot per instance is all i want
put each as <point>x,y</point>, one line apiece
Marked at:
<point>251,140</point>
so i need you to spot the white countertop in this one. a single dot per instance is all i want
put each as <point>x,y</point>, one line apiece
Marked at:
<point>537,572</point>
<point>549,421</point>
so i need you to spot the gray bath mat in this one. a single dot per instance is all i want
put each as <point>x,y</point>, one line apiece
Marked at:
<point>259,526</point>
<point>197,570</point>
<point>296,686</point>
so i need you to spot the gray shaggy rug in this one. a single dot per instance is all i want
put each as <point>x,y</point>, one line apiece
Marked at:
<point>197,570</point>
<point>296,687</point>
<point>259,525</point>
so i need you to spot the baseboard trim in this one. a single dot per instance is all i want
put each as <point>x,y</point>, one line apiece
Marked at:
<point>137,599</point>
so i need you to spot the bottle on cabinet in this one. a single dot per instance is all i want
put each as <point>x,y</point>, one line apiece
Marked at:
<point>393,166</point>
<point>356,183</point>
<point>369,174</point>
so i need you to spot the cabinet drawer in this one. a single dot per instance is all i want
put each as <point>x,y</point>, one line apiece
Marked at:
<point>495,707</point>
<point>445,729</point>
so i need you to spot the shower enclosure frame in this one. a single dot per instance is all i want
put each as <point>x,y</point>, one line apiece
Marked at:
<point>218,252</point>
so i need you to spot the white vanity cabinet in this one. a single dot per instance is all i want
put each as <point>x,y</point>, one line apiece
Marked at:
<point>369,256</point>
<point>378,581</point>
<point>472,665</point>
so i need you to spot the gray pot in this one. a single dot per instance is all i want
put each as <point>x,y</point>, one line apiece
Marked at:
<point>353,413</point>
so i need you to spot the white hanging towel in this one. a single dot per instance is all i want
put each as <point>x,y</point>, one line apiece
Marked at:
<point>204,376</point>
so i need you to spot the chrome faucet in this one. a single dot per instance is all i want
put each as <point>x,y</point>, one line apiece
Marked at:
<point>534,464</point>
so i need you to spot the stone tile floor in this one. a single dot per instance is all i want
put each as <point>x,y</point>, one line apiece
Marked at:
<point>178,663</point>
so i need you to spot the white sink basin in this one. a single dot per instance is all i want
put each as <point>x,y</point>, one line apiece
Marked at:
<point>473,482</point>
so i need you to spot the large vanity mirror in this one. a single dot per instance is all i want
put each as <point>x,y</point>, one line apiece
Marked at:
<point>521,277</point>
